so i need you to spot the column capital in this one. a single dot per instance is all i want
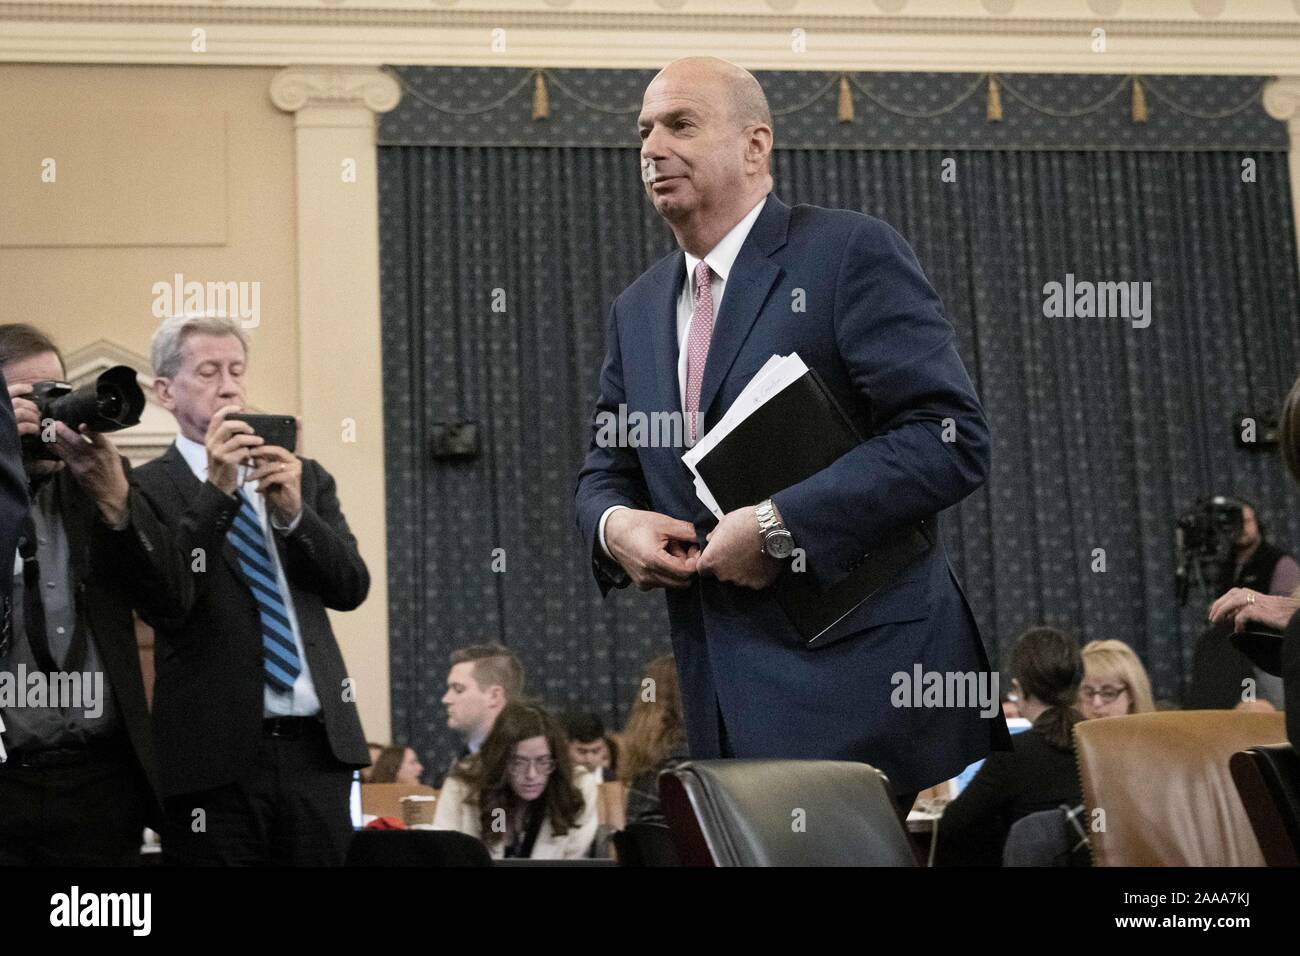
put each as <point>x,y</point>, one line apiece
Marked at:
<point>1282,99</point>
<point>349,87</point>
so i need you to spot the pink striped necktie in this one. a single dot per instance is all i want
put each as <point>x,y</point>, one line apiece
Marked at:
<point>697,343</point>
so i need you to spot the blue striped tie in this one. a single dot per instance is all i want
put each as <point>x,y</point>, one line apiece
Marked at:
<point>279,652</point>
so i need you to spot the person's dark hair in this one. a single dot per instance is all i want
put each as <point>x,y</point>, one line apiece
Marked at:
<point>1289,431</point>
<point>495,665</point>
<point>387,764</point>
<point>1048,666</point>
<point>20,341</point>
<point>656,726</point>
<point>487,774</point>
<point>584,727</point>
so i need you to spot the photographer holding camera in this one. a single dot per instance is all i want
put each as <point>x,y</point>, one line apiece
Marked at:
<point>79,784</point>
<point>257,728</point>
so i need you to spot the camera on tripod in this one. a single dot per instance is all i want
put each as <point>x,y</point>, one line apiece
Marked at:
<point>1205,539</point>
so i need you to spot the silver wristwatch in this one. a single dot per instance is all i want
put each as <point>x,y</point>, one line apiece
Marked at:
<point>777,541</point>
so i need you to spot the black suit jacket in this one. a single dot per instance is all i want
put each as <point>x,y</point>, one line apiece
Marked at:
<point>209,690</point>
<point>1035,776</point>
<point>13,499</point>
<point>113,574</point>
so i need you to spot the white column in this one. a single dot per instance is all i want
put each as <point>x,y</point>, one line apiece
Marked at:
<point>1282,101</point>
<point>338,333</point>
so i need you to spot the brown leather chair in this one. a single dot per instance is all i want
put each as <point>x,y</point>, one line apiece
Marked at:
<point>1163,786</point>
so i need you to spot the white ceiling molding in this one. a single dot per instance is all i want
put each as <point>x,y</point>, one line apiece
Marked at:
<point>1142,36</point>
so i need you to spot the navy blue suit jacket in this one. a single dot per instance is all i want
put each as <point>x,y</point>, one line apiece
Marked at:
<point>846,293</point>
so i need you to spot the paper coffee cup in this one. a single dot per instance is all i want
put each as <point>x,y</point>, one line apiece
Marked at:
<point>417,810</point>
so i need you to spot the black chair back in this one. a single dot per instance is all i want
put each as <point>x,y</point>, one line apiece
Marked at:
<point>783,813</point>
<point>1268,781</point>
<point>646,844</point>
<point>1047,838</point>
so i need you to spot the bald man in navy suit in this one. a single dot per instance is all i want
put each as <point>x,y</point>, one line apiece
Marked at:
<point>685,338</point>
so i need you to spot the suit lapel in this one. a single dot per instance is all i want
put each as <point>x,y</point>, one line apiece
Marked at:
<point>663,332</point>
<point>752,276</point>
<point>187,489</point>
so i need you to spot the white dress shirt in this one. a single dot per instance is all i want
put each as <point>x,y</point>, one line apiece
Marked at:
<point>302,700</point>
<point>720,259</point>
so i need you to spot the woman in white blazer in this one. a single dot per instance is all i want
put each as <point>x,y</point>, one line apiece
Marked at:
<point>520,794</point>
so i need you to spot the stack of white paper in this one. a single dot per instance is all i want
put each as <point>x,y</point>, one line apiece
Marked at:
<point>778,372</point>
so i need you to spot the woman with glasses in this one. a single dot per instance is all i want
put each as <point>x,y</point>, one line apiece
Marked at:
<point>1114,681</point>
<point>519,794</point>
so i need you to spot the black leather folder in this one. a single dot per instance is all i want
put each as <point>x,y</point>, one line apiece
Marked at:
<point>798,432</point>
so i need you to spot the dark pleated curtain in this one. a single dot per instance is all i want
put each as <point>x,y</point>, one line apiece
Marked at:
<point>548,237</point>
<point>1102,432</point>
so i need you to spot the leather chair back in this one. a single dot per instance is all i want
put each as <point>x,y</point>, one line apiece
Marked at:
<point>1158,789</point>
<point>783,813</point>
<point>1268,781</point>
<point>646,844</point>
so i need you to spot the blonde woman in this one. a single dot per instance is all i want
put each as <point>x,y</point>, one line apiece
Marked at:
<point>1114,681</point>
<point>654,741</point>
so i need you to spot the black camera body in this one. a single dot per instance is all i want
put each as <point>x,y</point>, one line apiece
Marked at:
<point>110,403</point>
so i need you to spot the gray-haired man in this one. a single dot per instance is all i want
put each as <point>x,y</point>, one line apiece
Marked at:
<point>254,717</point>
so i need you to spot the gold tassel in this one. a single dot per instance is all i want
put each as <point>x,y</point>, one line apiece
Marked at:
<point>846,100</point>
<point>1139,102</point>
<point>541,100</point>
<point>994,111</point>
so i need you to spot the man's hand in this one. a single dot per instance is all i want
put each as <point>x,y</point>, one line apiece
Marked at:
<point>279,477</point>
<point>1242,605</point>
<point>655,550</point>
<point>97,467</point>
<point>26,414</point>
<point>229,445</point>
<point>735,552</point>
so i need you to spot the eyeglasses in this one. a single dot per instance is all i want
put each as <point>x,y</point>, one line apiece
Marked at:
<point>520,765</point>
<point>1107,693</point>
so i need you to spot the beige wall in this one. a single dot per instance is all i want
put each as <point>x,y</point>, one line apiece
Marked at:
<point>84,272</point>
<point>165,170</point>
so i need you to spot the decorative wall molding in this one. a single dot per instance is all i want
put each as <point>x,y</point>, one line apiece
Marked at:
<point>1282,101</point>
<point>1142,36</point>
<point>296,88</point>
<point>495,106</point>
